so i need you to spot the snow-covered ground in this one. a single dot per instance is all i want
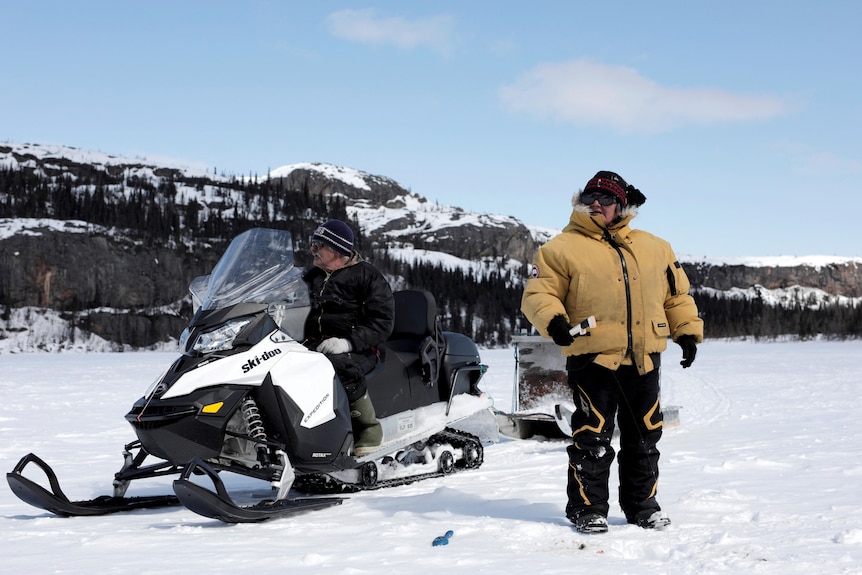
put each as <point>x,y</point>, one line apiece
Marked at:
<point>762,476</point>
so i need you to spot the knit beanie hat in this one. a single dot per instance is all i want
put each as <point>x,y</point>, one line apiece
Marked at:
<point>337,235</point>
<point>609,182</point>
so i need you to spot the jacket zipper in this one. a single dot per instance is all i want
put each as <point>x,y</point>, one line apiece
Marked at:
<point>625,270</point>
<point>320,294</point>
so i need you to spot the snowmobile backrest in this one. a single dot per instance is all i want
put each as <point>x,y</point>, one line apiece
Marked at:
<point>417,331</point>
<point>415,314</point>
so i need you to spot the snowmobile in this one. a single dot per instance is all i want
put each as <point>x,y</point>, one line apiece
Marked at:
<point>247,397</point>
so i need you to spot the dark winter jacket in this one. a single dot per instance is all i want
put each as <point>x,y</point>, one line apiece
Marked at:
<point>628,279</point>
<point>353,302</point>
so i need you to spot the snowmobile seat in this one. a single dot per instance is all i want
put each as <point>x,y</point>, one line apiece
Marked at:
<point>417,330</point>
<point>411,359</point>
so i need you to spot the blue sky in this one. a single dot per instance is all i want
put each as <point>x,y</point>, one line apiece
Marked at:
<point>739,120</point>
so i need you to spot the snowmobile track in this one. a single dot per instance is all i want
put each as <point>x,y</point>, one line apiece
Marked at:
<point>326,484</point>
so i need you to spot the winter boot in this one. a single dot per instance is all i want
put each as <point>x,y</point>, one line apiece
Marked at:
<point>366,429</point>
<point>650,519</point>
<point>590,523</point>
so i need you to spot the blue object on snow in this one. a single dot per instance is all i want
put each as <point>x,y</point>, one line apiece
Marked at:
<point>443,539</point>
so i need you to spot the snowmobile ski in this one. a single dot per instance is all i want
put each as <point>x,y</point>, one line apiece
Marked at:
<point>219,505</point>
<point>56,501</point>
<point>563,416</point>
<point>524,425</point>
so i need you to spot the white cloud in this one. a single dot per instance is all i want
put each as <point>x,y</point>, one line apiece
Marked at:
<point>827,162</point>
<point>587,92</point>
<point>366,27</point>
<point>807,160</point>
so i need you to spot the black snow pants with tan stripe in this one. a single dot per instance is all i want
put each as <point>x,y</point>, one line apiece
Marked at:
<point>601,396</point>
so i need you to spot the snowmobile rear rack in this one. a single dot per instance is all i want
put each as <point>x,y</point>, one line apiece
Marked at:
<point>56,501</point>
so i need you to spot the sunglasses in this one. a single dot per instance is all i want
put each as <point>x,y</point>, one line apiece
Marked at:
<point>604,198</point>
<point>316,245</point>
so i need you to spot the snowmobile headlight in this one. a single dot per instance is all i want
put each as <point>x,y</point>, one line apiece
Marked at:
<point>157,388</point>
<point>220,338</point>
<point>184,339</point>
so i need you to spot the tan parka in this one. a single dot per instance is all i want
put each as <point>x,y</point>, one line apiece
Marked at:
<point>630,280</point>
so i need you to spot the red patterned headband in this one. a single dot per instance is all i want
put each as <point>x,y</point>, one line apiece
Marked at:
<point>608,185</point>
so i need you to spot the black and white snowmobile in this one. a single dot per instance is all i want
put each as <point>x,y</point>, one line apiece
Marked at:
<point>247,397</point>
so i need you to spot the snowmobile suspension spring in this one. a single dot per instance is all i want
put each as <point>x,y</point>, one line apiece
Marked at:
<point>252,419</point>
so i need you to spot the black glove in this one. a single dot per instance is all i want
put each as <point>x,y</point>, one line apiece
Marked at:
<point>689,349</point>
<point>558,329</point>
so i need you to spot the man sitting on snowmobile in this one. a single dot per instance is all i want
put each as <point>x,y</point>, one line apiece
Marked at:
<point>352,312</point>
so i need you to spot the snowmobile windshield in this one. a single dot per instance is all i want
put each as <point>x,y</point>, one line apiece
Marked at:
<point>257,267</point>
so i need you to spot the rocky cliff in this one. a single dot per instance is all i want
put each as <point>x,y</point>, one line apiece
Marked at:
<point>80,268</point>
<point>842,277</point>
<point>102,283</point>
<point>109,281</point>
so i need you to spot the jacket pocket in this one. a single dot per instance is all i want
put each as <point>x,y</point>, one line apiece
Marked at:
<point>661,328</point>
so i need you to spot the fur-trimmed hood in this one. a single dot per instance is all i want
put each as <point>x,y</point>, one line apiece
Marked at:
<point>625,214</point>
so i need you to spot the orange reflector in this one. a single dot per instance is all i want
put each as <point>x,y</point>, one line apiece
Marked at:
<point>212,408</point>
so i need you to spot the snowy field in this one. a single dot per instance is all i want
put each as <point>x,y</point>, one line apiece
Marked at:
<point>764,475</point>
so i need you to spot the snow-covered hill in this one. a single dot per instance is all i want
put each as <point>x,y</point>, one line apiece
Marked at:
<point>411,228</point>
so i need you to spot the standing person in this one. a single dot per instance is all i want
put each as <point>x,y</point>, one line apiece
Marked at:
<point>632,283</point>
<point>352,312</point>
